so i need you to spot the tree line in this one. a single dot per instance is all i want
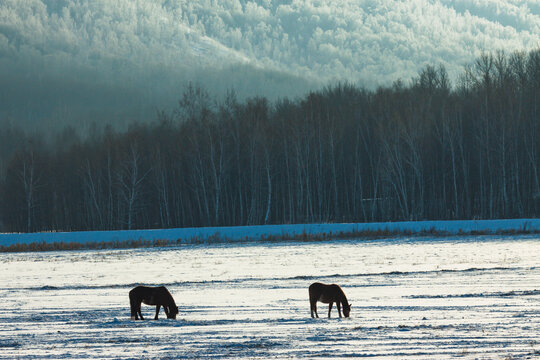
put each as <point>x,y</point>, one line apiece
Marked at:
<point>421,150</point>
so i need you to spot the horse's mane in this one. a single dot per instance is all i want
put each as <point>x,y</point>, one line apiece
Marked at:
<point>342,296</point>
<point>168,295</point>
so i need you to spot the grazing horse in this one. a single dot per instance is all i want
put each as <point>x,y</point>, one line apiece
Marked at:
<point>158,296</point>
<point>328,294</point>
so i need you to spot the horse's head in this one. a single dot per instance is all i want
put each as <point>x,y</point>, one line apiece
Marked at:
<point>172,312</point>
<point>346,309</point>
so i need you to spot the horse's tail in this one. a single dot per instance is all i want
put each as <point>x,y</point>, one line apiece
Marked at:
<point>133,303</point>
<point>314,291</point>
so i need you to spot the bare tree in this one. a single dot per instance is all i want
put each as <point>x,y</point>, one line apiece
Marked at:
<point>130,177</point>
<point>30,179</point>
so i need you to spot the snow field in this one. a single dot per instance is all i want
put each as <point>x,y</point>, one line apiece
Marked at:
<point>469,297</point>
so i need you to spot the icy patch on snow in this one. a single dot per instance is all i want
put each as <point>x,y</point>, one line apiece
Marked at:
<point>263,232</point>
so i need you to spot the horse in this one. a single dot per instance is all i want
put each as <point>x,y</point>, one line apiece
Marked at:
<point>328,294</point>
<point>158,296</point>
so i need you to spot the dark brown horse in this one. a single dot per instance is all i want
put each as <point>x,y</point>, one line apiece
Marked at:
<point>328,294</point>
<point>158,296</point>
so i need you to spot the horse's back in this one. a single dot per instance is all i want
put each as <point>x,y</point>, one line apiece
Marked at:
<point>148,294</point>
<point>324,292</point>
<point>162,290</point>
<point>141,289</point>
<point>316,287</point>
<point>137,290</point>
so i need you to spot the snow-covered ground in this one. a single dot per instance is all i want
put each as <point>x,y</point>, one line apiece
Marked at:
<point>473,297</point>
<point>254,233</point>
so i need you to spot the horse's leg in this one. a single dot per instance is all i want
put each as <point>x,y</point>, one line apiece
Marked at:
<point>330,308</point>
<point>313,303</point>
<point>133,306</point>
<point>157,311</point>
<point>140,313</point>
<point>338,305</point>
<point>134,315</point>
<point>313,308</point>
<point>166,309</point>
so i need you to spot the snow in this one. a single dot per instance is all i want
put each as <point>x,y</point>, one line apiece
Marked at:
<point>253,233</point>
<point>471,297</point>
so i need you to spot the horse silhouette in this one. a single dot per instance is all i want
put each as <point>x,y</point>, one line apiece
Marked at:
<point>158,296</point>
<point>328,294</point>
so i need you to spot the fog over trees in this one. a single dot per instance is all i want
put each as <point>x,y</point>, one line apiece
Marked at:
<point>425,149</point>
<point>75,62</point>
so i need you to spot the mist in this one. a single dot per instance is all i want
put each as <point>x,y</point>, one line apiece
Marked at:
<point>74,62</point>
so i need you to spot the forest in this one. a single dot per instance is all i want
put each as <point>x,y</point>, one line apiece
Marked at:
<point>422,149</point>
